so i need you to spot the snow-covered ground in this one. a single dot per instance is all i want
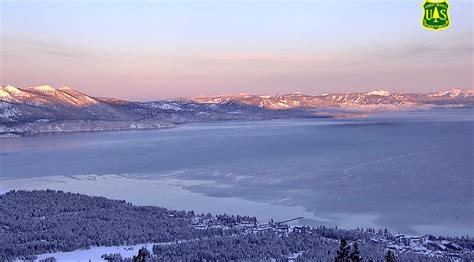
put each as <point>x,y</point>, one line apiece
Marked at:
<point>95,253</point>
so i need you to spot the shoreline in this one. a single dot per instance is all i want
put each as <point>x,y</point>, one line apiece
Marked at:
<point>172,193</point>
<point>316,113</point>
<point>424,245</point>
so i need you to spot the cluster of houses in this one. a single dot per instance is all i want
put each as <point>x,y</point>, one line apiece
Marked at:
<point>427,245</point>
<point>247,225</point>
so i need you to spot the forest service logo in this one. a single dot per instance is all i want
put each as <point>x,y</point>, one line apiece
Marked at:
<point>435,15</point>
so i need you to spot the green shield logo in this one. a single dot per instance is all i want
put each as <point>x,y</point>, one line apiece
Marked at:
<point>435,14</point>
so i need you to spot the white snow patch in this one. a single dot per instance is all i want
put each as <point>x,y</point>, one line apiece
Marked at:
<point>66,88</point>
<point>379,93</point>
<point>8,111</point>
<point>45,88</point>
<point>13,90</point>
<point>451,93</point>
<point>4,94</point>
<point>95,253</point>
<point>166,106</point>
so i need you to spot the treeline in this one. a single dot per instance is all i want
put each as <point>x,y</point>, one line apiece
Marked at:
<point>303,246</point>
<point>257,247</point>
<point>35,222</point>
<point>267,247</point>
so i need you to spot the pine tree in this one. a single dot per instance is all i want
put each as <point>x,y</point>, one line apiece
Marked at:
<point>343,252</point>
<point>436,14</point>
<point>143,255</point>
<point>390,256</point>
<point>355,255</point>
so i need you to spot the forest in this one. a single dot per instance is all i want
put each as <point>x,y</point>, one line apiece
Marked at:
<point>43,221</point>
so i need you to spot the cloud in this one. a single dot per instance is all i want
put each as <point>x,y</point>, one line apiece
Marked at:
<point>431,50</point>
<point>270,58</point>
<point>15,46</point>
<point>67,54</point>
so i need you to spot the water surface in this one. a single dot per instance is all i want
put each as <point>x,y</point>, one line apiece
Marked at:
<point>410,172</point>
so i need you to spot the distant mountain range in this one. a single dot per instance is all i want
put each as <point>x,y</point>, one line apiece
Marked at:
<point>46,109</point>
<point>375,100</point>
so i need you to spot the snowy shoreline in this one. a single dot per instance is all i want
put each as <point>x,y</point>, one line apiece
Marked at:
<point>173,193</point>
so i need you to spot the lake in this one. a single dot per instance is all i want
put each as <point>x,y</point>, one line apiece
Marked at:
<point>410,172</point>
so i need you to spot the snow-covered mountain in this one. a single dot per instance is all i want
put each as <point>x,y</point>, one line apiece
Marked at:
<point>47,103</point>
<point>41,95</point>
<point>453,93</point>
<point>49,109</point>
<point>374,100</point>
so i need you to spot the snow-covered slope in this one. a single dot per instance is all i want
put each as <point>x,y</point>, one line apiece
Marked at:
<point>47,109</point>
<point>44,95</point>
<point>373,100</point>
<point>453,93</point>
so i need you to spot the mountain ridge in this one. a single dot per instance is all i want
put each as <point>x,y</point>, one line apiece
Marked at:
<point>47,109</point>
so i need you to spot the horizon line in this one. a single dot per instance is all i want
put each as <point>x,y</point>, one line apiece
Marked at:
<point>242,93</point>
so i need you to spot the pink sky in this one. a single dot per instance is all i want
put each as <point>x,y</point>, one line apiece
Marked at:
<point>146,50</point>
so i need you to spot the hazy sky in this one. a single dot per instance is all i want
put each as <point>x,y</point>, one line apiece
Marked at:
<point>143,50</point>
